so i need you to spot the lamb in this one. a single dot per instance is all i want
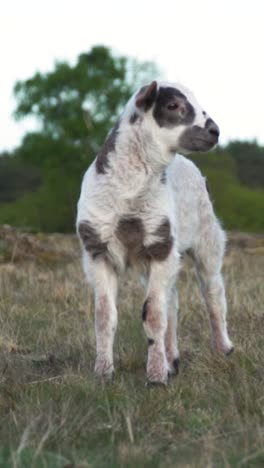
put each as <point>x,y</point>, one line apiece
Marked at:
<point>143,205</point>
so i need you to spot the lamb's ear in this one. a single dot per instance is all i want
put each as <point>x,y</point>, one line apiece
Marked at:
<point>146,96</point>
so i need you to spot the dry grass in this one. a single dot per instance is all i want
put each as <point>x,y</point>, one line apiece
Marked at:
<point>54,413</point>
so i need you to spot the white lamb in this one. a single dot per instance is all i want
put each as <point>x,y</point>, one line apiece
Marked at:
<point>141,205</point>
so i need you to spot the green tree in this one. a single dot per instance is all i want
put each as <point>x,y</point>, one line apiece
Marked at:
<point>75,105</point>
<point>238,206</point>
<point>16,178</point>
<point>96,87</point>
<point>249,159</point>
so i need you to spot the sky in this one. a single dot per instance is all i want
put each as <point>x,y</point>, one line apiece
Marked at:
<point>214,47</point>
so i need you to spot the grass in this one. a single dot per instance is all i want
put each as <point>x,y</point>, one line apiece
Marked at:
<point>53,411</point>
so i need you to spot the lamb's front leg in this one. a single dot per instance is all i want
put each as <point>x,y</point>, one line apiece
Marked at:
<point>162,276</point>
<point>105,317</point>
<point>171,343</point>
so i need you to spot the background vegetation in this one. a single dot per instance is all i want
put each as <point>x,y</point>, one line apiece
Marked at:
<point>75,105</point>
<point>55,414</point>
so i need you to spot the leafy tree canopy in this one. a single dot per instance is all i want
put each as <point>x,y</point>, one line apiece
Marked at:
<point>16,178</point>
<point>97,86</point>
<point>75,106</point>
<point>249,159</point>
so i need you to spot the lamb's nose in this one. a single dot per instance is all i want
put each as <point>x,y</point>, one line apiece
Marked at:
<point>212,128</point>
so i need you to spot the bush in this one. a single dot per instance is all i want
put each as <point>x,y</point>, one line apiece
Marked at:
<point>236,205</point>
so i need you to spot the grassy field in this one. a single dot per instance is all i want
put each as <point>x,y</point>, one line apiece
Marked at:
<point>53,412</point>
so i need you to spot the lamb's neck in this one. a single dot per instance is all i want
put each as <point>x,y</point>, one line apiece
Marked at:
<point>138,154</point>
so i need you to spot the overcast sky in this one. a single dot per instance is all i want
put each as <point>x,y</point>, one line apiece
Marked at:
<point>215,47</point>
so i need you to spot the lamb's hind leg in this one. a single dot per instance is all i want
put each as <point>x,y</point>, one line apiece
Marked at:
<point>208,256</point>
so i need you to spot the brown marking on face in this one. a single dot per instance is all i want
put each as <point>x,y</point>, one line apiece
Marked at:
<point>172,108</point>
<point>102,162</point>
<point>160,250</point>
<point>91,239</point>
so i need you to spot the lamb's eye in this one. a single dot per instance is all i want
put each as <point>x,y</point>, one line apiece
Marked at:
<point>173,106</point>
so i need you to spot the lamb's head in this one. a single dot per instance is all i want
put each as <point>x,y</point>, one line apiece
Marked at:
<point>176,118</point>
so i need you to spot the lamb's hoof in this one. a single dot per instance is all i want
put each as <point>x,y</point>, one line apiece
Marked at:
<point>223,347</point>
<point>104,370</point>
<point>174,369</point>
<point>155,378</point>
<point>156,383</point>
<point>106,379</point>
<point>230,351</point>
